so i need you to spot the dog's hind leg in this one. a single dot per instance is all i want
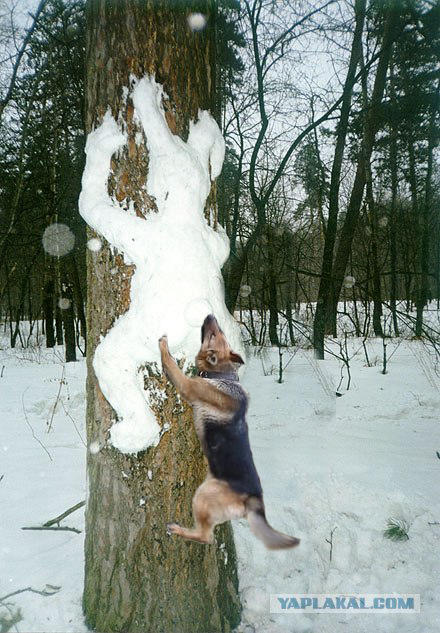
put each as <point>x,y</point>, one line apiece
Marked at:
<point>203,530</point>
<point>213,503</point>
<point>202,533</point>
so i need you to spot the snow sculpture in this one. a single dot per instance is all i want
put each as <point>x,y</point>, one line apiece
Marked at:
<point>178,257</point>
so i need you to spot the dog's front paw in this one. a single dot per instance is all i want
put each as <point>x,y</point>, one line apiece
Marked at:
<point>171,528</point>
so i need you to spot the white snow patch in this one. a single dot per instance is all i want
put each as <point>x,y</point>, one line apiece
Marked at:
<point>196,311</point>
<point>58,239</point>
<point>94,244</point>
<point>349,282</point>
<point>196,21</point>
<point>94,447</point>
<point>178,256</point>
<point>64,303</point>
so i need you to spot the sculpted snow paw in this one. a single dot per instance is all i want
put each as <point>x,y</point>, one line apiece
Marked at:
<point>108,136</point>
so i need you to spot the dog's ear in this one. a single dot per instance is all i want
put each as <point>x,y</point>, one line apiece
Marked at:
<point>236,358</point>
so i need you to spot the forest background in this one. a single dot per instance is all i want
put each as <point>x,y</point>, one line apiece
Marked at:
<point>330,187</point>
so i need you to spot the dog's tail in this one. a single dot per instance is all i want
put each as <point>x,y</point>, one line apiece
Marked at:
<point>271,538</point>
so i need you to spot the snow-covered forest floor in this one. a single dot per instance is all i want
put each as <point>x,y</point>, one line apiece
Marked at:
<point>334,472</point>
<point>42,465</point>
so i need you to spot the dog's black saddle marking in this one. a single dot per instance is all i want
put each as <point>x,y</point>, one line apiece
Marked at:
<point>229,454</point>
<point>218,375</point>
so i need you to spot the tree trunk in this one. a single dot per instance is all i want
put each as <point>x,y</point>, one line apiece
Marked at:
<point>272,291</point>
<point>377,286</point>
<point>392,234</point>
<point>137,579</point>
<point>374,225</point>
<point>393,211</point>
<point>234,267</point>
<point>58,322</point>
<point>371,125</point>
<point>68,317</point>
<point>424,294</point>
<point>413,185</point>
<point>48,297</point>
<point>79,299</point>
<point>324,293</point>
<point>290,300</point>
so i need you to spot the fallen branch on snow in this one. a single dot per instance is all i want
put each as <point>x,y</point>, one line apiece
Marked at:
<point>56,521</point>
<point>60,528</point>
<point>62,382</point>
<point>48,591</point>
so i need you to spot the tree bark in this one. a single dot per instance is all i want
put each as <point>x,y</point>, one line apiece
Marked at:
<point>137,579</point>
<point>393,210</point>
<point>424,293</point>
<point>377,286</point>
<point>48,298</point>
<point>67,314</point>
<point>412,292</point>
<point>78,293</point>
<point>272,290</point>
<point>393,231</point>
<point>374,226</point>
<point>372,121</point>
<point>234,267</point>
<point>324,293</point>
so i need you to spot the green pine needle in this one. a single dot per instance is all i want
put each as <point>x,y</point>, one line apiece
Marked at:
<point>397,530</point>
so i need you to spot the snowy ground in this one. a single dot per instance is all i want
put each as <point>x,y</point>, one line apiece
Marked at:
<point>345,465</point>
<point>42,462</point>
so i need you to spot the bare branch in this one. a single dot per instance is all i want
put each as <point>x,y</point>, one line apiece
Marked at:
<point>33,432</point>
<point>48,591</point>
<point>8,96</point>
<point>54,529</point>
<point>64,514</point>
<point>289,32</point>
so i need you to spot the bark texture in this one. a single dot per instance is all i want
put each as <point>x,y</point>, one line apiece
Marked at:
<point>324,294</point>
<point>371,125</point>
<point>137,579</point>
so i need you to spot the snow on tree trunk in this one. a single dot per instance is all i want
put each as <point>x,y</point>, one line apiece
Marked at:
<point>158,271</point>
<point>177,256</point>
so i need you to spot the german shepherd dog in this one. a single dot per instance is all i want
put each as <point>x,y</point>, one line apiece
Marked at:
<point>232,489</point>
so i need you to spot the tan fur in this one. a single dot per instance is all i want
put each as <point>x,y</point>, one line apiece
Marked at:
<point>215,501</point>
<point>193,390</point>
<point>270,537</point>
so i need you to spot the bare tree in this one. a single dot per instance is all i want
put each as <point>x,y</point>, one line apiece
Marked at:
<point>324,293</point>
<point>328,307</point>
<point>269,46</point>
